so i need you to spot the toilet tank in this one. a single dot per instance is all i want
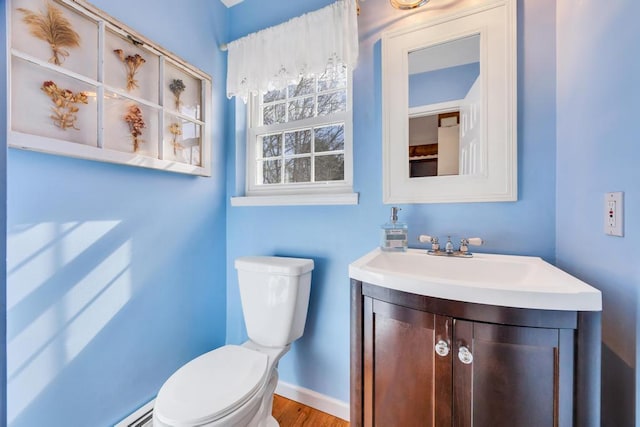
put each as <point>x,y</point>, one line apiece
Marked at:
<point>275,296</point>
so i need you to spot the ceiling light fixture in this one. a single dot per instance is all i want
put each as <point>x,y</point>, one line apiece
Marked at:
<point>408,4</point>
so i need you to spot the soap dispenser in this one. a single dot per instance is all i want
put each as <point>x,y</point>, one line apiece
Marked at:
<point>394,234</point>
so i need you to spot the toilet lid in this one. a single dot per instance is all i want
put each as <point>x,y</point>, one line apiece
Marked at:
<point>211,386</point>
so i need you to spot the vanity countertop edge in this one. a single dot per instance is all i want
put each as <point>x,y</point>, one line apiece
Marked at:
<point>542,286</point>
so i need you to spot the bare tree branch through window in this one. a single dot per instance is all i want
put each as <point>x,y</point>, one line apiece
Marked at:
<point>301,142</point>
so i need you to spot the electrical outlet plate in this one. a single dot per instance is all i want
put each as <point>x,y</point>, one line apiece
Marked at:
<point>613,213</point>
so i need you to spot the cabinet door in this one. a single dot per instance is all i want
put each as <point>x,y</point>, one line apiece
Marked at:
<point>403,374</point>
<point>510,377</point>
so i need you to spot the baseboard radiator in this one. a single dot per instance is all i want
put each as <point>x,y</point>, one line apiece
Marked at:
<point>143,417</point>
<point>145,421</point>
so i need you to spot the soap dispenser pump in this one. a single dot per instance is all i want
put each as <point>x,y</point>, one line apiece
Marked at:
<point>394,234</point>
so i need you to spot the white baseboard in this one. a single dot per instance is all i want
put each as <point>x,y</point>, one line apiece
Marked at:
<point>318,401</point>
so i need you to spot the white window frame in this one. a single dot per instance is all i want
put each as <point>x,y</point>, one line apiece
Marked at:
<point>307,193</point>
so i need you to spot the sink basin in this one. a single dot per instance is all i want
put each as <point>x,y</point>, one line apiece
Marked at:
<point>505,280</point>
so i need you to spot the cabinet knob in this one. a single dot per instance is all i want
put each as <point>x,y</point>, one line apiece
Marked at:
<point>465,356</point>
<point>442,348</point>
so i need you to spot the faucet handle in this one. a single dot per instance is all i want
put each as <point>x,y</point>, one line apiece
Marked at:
<point>474,241</point>
<point>424,238</point>
<point>435,243</point>
<point>464,243</point>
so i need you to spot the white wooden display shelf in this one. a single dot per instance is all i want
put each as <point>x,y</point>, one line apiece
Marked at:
<point>108,94</point>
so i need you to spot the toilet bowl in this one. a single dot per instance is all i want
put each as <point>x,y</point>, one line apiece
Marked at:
<point>233,385</point>
<point>228,386</point>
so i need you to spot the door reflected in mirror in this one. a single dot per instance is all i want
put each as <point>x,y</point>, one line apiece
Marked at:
<point>435,148</point>
<point>444,109</point>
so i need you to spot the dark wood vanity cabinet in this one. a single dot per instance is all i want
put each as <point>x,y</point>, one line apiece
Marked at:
<point>422,361</point>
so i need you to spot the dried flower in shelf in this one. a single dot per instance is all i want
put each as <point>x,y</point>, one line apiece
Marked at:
<point>136,124</point>
<point>65,108</point>
<point>177,87</point>
<point>131,63</point>
<point>52,27</point>
<point>176,130</point>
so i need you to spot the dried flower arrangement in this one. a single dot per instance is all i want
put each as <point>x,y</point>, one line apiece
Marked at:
<point>177,87</point>
<point>176,130</point>
<point>52,27</point>
<point>64,109</point>
<point>136,124</point>
<point>131,63</point>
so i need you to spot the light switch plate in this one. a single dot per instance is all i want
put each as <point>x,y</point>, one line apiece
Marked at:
<point>614,213</point>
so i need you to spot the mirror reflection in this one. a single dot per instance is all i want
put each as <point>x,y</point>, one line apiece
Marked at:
<point>444,109</point>
<point>434,144</point>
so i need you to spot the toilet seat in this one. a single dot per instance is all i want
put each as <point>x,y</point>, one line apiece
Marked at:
<point>211,386</point>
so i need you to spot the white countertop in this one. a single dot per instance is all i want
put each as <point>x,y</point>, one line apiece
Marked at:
<point>503,280</point>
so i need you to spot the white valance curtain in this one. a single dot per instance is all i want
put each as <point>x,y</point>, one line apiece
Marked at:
<point>308,44</point>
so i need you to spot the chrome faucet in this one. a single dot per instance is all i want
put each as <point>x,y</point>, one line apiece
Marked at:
<point>449,250</point>
<point>448,247</point>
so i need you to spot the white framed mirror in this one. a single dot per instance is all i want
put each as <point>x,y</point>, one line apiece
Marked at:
<point>449,88</point>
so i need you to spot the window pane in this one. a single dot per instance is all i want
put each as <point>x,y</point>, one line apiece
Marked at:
<point>290,153</point>
<point>333,78</point>
<point>297,142</point>
<point>272,114</point>
<point>329,168</point>
<point>329,138</point>
<point>274,95</point>
<point>270,145</point>
<point>298,170</point>
<point>271,171</point>
<point>332,103</point>
<point>305,86</point>
<point>301,109</point>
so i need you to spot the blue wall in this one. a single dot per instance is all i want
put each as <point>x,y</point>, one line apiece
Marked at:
<point>3,223</point>
<point>598,92</point>
<point>336,235</point>
<point>447,84</point>
<point>116,275</point>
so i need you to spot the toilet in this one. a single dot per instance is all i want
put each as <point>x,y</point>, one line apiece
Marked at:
<point>234,384</point>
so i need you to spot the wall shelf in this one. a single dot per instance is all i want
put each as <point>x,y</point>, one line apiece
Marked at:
<point>103,92</point>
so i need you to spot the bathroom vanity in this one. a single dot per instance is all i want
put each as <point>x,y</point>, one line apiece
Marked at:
<point>488,341</point>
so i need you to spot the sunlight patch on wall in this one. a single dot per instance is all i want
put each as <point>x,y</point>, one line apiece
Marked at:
<point>40,349</point>
<point>38,249</point>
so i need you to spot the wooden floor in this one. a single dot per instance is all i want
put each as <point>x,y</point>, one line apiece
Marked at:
<point>293,414</point>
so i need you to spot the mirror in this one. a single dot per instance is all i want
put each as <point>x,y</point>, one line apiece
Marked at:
<point>444,92</point>
<point>449,105</point>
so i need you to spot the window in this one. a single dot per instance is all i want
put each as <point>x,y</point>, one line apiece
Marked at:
<point>299,140</point>
<point>299,148</point>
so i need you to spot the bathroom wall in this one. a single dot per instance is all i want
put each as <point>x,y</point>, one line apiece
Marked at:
<point>598,91</point>
<point>336,235</point>
<point>116,275</point>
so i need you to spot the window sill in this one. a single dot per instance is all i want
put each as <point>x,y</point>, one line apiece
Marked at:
<point>297,200</point>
